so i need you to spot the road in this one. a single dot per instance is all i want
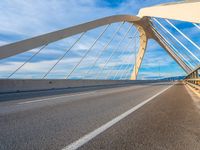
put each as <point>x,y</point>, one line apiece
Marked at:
<point>150,116</point>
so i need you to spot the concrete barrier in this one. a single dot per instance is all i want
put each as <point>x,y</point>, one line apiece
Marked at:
<point>21,85</point>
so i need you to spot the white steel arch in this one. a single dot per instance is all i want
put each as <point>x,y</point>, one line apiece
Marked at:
<point>142,23</point>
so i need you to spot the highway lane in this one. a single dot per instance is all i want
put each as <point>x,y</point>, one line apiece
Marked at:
<point>53,122</point>
<point>19,101</point>
<point>51,92</point>
<point>170,122</point>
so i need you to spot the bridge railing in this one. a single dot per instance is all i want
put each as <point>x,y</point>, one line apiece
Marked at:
<point>193,79</point>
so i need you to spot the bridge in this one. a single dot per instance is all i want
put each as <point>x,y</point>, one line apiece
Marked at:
<point>95,99</point>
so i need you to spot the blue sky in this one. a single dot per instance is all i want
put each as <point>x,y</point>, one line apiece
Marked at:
<point>21,19</point>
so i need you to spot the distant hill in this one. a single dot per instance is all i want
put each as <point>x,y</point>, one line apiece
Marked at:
<point>174,78</point>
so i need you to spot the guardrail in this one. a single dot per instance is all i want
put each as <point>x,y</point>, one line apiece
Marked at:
<point>193,79</point>
<point>195,83</point>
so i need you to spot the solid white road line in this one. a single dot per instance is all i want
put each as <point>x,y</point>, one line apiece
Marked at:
<point>86,138</point>
<point>46,99</point>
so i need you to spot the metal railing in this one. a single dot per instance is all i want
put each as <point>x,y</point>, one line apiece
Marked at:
<point>193,79</point>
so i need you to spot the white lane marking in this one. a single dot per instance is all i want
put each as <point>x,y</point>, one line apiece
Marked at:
<point>86,138</point>
<point>46,99</point>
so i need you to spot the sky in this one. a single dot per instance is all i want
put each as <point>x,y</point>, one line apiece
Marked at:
<point>22,19</point>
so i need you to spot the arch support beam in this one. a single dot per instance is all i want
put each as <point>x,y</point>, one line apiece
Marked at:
<point>141,52</point>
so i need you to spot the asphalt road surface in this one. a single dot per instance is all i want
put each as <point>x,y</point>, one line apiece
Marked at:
<point>157,116</point>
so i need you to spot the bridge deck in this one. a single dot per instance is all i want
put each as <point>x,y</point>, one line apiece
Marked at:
<point>169,121</point>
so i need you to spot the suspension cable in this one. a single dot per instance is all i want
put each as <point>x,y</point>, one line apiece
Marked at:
<point>120,67</point>
<point>126,70</point>
<point>176,51</point>
<point>123,50</point>
<point>168,43</point>
<point>134,36</point>
<point>176,39</point>
<point>185,36</point>
<point>87,52</point>
<point>114,50</point>
<point>173,42</point>
<point>63,55</point>
<point>196,25</point>
<point>28,60</point>
<point>104,48</point>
